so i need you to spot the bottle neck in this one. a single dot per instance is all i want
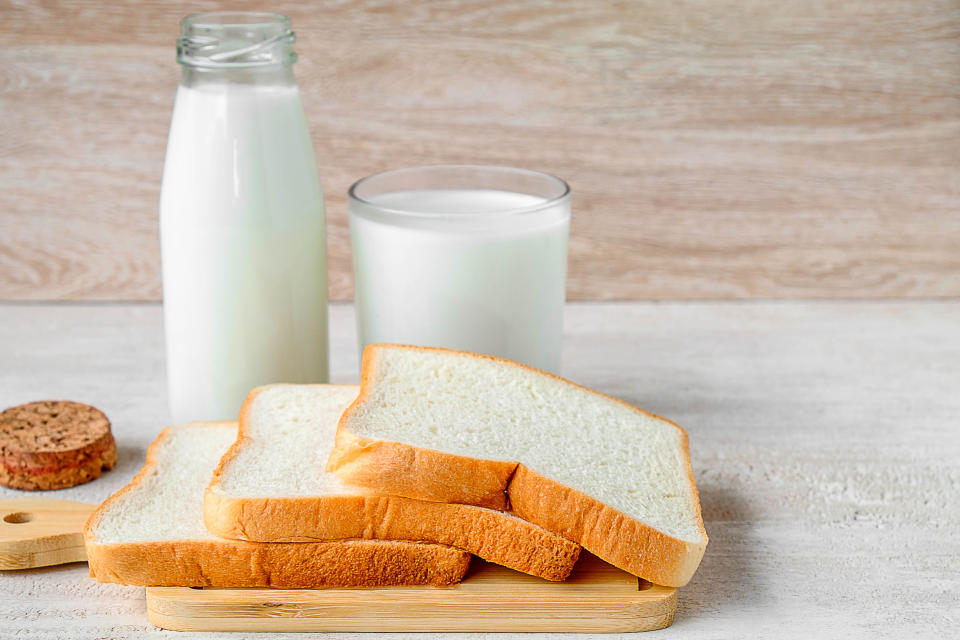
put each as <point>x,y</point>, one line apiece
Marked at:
<point>231,47</point>
<point>267,75</point>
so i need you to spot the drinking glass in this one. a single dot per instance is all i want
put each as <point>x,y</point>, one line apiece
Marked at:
<point>464,257</point>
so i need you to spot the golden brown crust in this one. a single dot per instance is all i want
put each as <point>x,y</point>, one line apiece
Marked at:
<point>366,462</point>
<point>493,536</point>
<point>618,539</point>
<point>233,563</point>
<point>607,533</point>
<point>54,445</point>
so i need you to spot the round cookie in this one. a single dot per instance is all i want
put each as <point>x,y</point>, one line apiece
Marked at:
<point>54,445</point>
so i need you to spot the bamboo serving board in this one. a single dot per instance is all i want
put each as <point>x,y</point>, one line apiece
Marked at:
<point>39,532</point>
<point>596,598</point>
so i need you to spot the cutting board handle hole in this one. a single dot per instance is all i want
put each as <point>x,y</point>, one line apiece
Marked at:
<point>18,517</point>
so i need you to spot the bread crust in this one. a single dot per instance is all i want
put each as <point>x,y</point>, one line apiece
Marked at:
<point>466,480</point>
<point>491,535</point>
<point>613,536</point>
<point>494,536</point>
<point>235,563</point>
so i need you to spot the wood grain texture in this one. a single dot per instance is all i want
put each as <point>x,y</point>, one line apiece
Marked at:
<point>716,149</point>
<point>823,436</point>
<point>40,532</point>
<point>597,598</point>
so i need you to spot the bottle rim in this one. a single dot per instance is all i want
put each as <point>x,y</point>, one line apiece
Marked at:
<point>235,39</point>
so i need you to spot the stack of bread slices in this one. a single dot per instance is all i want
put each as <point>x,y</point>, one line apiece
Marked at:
<point>437,455</point>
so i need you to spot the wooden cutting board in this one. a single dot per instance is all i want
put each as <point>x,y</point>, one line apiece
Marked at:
<point>596,598</point>
<point>39,532</point>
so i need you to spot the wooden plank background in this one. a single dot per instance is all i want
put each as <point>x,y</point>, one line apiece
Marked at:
<point>716,148</point>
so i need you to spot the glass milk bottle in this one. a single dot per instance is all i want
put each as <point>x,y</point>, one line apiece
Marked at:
<point>241,220</point>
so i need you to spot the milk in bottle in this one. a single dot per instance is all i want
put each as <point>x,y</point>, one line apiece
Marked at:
<point>242,220</point>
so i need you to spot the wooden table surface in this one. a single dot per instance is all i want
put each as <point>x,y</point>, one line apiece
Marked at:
<point>825,439</point>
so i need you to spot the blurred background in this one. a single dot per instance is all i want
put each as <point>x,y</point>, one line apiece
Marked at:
<point>716,149</point>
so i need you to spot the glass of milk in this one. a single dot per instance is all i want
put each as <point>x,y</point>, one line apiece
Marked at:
<point>464,257</point>
<point>241,220</point>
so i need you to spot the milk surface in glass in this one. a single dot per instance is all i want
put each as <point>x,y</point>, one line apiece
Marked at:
<point>463,272</point>
<point>243,244</point>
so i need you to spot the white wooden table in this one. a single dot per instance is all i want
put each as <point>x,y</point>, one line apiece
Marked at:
<point>825,439</point>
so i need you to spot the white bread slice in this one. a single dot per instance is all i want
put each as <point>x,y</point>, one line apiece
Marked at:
<point>436,424</point>
<point>151,533</point>
<point>271,487</point>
